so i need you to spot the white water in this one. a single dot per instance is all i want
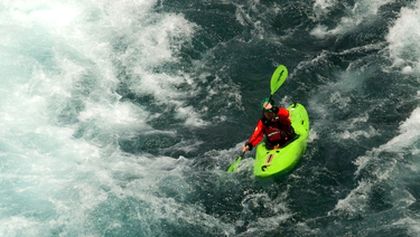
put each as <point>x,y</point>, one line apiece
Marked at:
<point>363,11</point>
<point>322,7</point>
<point>404,51</point>
<point>61,172</point>
<point>403,40</point>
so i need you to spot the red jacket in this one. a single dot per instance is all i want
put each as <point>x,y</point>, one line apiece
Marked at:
<point>264,127</point>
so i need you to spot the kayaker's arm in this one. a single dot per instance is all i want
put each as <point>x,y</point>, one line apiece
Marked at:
<point>283,114</point>
<point>255,138</point>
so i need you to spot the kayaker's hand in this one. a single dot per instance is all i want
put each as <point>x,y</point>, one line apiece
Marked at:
<point>246,148</point>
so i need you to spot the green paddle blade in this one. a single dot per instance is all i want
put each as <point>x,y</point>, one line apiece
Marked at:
<point>278,78</point>
<point>232,168</point>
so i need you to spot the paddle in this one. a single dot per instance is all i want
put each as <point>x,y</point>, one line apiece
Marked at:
<point>235,163</point>
<point>277,79</point>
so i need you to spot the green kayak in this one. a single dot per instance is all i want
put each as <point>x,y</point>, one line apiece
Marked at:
<point>280,161</point>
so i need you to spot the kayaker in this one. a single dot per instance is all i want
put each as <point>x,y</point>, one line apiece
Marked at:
<point>274,125</point>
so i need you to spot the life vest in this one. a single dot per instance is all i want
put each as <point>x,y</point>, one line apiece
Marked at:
<point>273,134</point>
<point>274,130</point>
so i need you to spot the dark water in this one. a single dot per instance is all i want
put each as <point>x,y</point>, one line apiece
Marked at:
<point>119,119</point>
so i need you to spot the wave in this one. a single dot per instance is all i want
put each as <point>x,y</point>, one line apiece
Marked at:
<point>63,117</point>
<point>403,37</point>
<point>361,12</point>
<point>390,165</point>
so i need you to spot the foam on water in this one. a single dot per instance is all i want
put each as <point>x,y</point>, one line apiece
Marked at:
<point>322,7</point>
<point>62,172</point>
<point>150,41</point>
<point>404,50</point>
<point>362,11</point>
<point>412,224</point>
<point>383,163</point>
<point>336,94</point>
<point>269,223</point>
<point>403,38</point>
